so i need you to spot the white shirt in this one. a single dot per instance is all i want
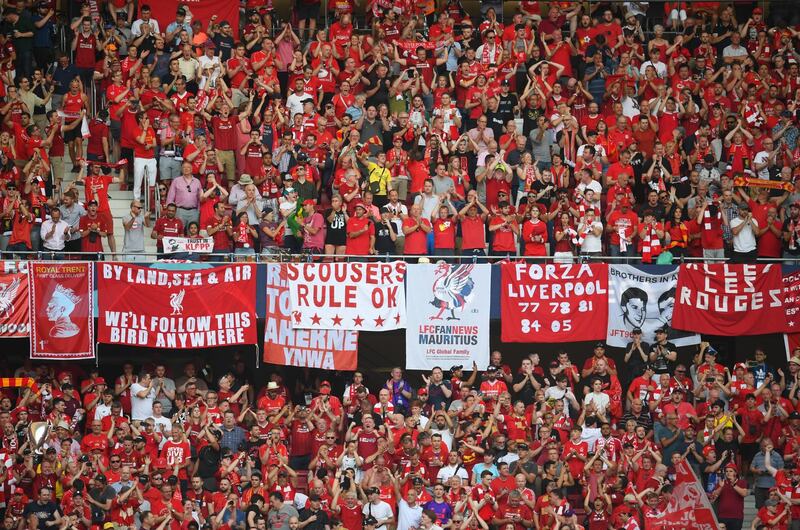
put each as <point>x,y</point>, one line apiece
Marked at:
<point>591,242</point>
<point>408,516</point>
<point>294,103</point>
<point>136,27</point>
<point>379,511</point>
<point>760,158</point>
<point>446,434</point>
<point>214,68</point>
<point>447,472</point>
<point>600,400</point>
<point>57,240</point>
<point>167,423</point>
<point>745,240</point>
<point>661,68</point>
<point>141,408</point>
<point>599,150</point>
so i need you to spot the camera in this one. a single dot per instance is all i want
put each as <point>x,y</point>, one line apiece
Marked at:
<point>143,479</point>
<point>172,481</point>
<point>83,459</point>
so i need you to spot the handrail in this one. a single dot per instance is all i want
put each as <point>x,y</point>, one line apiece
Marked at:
<point>285,256</point>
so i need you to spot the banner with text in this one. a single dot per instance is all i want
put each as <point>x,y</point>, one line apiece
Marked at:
<point>355,296</point>
<point>181,309</point>
<point>61,310</point>
<point>15,321</point>
<point>448,316</point>
<point>330,349</point>
<point>689,507</point>
<point>197,245</point>
<point>734,300</point>
<point>202,10</point>
<point>643,300</point>
<point>553,302</point>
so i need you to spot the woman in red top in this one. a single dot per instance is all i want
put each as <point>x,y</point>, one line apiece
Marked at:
<point>534,234</point>
<point>244,235</point>
<point>72,105</point>
<point>564,232</point>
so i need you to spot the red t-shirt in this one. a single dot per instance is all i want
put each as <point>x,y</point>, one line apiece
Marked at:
<point>473,233</point>
<point>224,134</point>
<point>504,238</point>
<point>444,234</point>
<point>144,150</point>
<point>89,242</point>
<point>416,241</point>
<point>359,245</point>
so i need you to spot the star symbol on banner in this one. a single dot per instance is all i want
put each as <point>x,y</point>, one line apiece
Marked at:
<point>337,320</point>
<point>791,324</point>
<point>358,321</point>
<point>316,319</point>
<point>379,322</point>
<point>397,319</point>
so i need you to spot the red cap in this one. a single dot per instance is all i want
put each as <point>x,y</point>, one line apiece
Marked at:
<point>737,366</point>
<point>21,409</point>
<point>422,391</point>
<point>358,204</point>
<point>325,387</point>
<point>309,202</point>
<point>99,381</point>
<point>758,11</point>
<point>708,449</point>
<point>732,466</point>
<point>62,375</point>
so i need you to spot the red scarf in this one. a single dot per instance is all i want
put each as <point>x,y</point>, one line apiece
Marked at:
<point>651,245</point>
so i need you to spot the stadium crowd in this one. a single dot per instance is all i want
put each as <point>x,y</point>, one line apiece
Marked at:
<point>556,130</point>
<point>561,130</point>
<point>566,446</point>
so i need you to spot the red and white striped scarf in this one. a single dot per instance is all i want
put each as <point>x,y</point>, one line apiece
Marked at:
<point>651,245</point>
<point>708,222</point>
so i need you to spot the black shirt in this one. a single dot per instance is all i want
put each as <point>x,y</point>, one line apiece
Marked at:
<point>321,521</point>
<point>383,240</point>
<point>661,364</point>
<point>527,393</point>
<point>224,45</point>
<point>495,123</point>
<point>43,512</point>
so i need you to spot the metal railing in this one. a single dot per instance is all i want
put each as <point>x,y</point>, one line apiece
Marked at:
<point>283,255</point>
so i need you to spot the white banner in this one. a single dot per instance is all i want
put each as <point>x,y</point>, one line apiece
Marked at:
<point>448,316</point>
<point>197,245</point>
<point>355,296</point>
<point>637,299</point>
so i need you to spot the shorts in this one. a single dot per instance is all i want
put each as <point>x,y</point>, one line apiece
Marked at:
<point>116,129</point>
<point>307,11</point>
<point>106,216</point>
<point>74,134</point>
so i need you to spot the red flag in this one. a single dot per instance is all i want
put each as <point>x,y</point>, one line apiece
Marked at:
<point>734,300</point>
<point>688,506</point>
<point>14,310</point>
<point>553,302</point>
<point>177,309</point>
<point>61,310</point>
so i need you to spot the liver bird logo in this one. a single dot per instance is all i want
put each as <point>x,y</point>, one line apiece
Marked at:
<point>8,293</point>
<point>452,289</point>
<point>176,301</point>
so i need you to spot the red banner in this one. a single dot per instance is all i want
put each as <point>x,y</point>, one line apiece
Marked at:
<point>225,10</point>
<point>688,507</point>
<point>15,318</point>
<point>330,349</point>
<point>735,300</point>
<point>791,293</point>
<point>61,310</point>
<point>176,309</point>
<point>553,302</point>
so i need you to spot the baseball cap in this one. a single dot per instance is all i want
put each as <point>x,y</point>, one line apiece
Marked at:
<point>456,367</point>
<point>309,202</point>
